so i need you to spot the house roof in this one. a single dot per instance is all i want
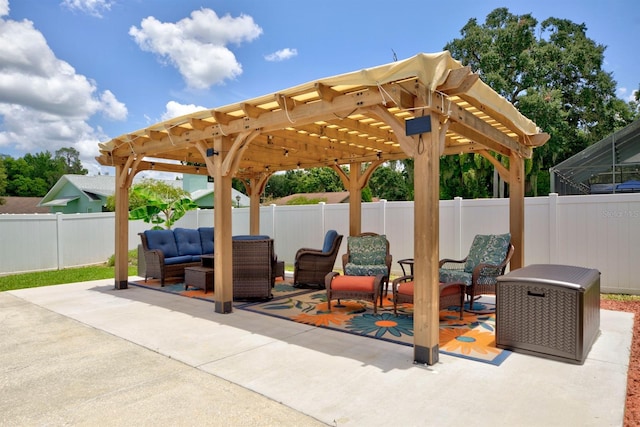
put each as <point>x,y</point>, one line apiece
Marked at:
<point>202,193</point>
<point>354,117</point>
<point>94,187</point>
<point>88,186</point>
<point>619,148</point>
<point>22,205</point>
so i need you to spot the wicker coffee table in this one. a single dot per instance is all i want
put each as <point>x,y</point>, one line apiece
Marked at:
<point>199,277</point>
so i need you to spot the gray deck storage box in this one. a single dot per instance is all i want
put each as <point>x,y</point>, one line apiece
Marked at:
<point>549,310</point>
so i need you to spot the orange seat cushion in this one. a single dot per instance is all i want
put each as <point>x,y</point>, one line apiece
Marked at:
<point>353,283</point>
<point>406,288</point>
<point>449,290</point>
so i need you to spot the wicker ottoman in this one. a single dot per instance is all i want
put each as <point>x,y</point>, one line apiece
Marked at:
<point>451,294</point>
<point>199,277</point>
<point>353,287</point>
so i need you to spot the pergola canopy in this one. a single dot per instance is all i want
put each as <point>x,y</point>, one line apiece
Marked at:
<point>358,116</point>
<point>421,108</point>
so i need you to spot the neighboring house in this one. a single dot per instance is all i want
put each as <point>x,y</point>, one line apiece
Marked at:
<point>202,189</point>
<point>22,205</point>
<point>79,194</point>
<point>608,166</point>
<point>329,198</point>
<point>85,194</point>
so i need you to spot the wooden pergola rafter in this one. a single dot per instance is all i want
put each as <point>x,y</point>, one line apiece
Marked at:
<point>421,108</point>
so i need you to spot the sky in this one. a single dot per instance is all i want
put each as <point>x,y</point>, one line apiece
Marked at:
<point>74,73</point>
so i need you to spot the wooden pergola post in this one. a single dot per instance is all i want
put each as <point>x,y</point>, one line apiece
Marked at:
<point>355,199</point>
<point>516,209</point>
<point>122,227</point>
<point>223,263</point>
<point>426,245</point>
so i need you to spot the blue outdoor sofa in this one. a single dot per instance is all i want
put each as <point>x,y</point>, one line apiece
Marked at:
<point>255,266</point>
<point>168,252</point>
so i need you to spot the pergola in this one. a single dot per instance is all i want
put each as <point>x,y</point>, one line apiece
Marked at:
<point>423,107</point>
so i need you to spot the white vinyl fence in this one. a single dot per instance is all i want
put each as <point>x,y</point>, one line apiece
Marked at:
<point>597,231</point>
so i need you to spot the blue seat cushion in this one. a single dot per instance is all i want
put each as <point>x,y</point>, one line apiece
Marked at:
<point>251,237</point>
<point>328,240</point>
<point>179,259</point>
<point>206,239</point>
<point>162,240</point>
<point>188,241</point>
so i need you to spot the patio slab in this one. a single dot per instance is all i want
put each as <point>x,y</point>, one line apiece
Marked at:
<point>147,352</point>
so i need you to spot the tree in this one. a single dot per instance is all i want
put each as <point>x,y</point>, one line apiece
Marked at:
<point>388,182</point>
<point>70,158</point>
<point>319,180</point>
<point>156,202</point>
<point>314,180</point>
<point>555,79</point>
<point>34,174</point>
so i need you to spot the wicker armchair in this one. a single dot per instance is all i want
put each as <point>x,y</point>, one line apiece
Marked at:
<point>488,258</point>
<point>368,255</point>
<point>254,264</point>
<point>312,265</point>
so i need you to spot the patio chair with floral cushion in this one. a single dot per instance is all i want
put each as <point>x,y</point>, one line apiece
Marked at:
<point>312,265</point>
<point>488,258</point>
<point>368,255</point>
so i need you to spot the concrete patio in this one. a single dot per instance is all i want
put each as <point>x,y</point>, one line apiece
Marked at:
<point>87,354</point>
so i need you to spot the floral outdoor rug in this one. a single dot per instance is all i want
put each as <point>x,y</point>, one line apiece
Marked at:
<point>472,338</point>
<point>176,286</point>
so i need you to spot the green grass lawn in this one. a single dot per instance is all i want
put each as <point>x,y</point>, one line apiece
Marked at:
<point>69,275</point>
<point>57,277</point>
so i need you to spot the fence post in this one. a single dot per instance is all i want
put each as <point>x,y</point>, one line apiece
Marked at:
<point>60,240</point>
<point>322,217</point>
<point>553,227</point>
<point>273,220</point>
<point>457,225</point>
<point>383,206</point>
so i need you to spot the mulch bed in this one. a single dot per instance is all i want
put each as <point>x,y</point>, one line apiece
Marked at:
<point>632,407</point>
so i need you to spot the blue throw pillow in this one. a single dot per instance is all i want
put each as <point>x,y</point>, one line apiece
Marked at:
<point>188,241</point>
<point>328,240</point>
<point>206,239</point>
<point>162,240</point>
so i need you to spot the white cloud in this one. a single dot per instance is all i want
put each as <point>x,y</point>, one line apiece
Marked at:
<point>4,7</point>
<point>44,103</point>
<point>90,7</point>
<point>281,55</point>
<point>197,46</point>
<point>623,93</point>
<point>175,109</point>
<point>113,108</point>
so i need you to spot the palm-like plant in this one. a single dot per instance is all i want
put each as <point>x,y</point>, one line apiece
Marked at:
<point>160,204</point>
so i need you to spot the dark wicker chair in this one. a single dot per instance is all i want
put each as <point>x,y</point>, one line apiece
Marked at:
<point>368,256</point>
<point>312,265</point>
<point>488,258</point>
<point>254,264</point>
<point>451,294</point>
